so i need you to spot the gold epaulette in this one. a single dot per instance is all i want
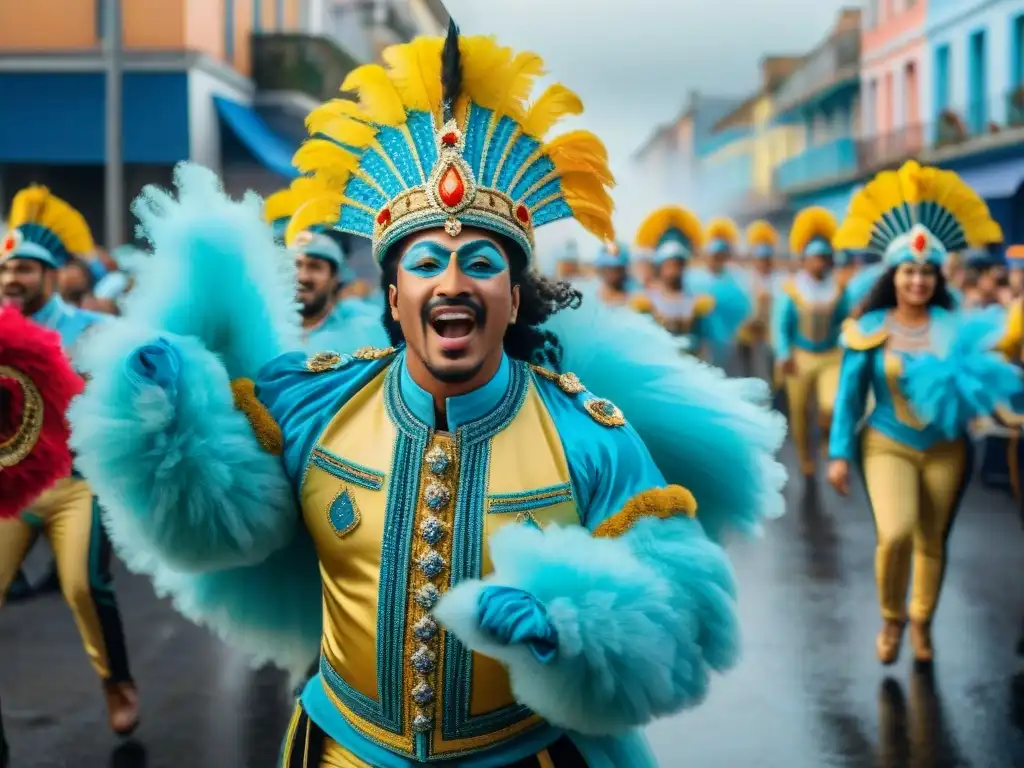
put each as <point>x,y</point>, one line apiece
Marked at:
<point>853,337</point>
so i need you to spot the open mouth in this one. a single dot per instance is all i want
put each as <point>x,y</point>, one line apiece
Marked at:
<point>452,324</point>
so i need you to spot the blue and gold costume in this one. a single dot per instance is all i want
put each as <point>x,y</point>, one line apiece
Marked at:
<point>807,319</point>
<point>762,241</point>
<point>720,278</point>
<point>613,255</point>
<point>928,382</point>
<point>45,229</point>
<point>342,519</point>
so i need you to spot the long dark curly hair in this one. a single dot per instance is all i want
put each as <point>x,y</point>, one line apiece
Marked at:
<point>539,299</point>
<point>883,293</point>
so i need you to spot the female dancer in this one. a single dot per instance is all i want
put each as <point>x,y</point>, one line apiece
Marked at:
<point>920,359</point>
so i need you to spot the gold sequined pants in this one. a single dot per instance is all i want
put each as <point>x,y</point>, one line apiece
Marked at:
<point>817,376</point>
<point>914,496</point>
<point>68,517</point>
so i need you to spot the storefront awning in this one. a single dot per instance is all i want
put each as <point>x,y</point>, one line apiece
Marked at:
<point>996,180</point>
<point>268,147</point>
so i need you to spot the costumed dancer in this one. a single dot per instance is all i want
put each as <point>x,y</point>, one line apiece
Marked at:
<point>807,317</point>
<point>612,266</point>
<point>720,279</point>
<point>567,264</point>
<point>44,233</point>
<point>762,282</point>
<point>670,236</point>
<point>986,283</point>
<point>479,531</point>
<point>931,372</point>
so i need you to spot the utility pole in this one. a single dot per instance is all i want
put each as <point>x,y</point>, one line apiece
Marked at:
<point>114,58</point>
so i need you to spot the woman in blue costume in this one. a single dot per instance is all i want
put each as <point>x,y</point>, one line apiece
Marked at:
<point>762,280</point>
<point>496,568</point>
<point>931,370</point>
<point>670,235</point>
<point>721,280</point>
<point>615,286</point>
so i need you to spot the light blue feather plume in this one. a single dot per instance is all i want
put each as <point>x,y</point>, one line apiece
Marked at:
<point>968,380</point>
<point>215,272</point>
<point>714,435</point>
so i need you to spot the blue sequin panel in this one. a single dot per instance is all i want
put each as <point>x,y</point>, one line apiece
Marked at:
<point>496,149</point>
<point>356,221</point>
<point>361,192</point>
<point>553,211</point>
<point>519,154</point>
<point>421,126</point>
<point>543,192</point>
<point>476,135</point>
<point>343,514</point>
<point>540,169</point>
<point>375,167</point>
<point>401,153</point>
<point>46,237</point>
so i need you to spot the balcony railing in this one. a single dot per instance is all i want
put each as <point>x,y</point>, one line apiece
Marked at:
<point>836,61</point>
<point>825,161</point>
<point>308,64</point>
<point>875,153</point>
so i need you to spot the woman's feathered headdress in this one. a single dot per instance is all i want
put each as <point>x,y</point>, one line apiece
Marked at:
<point>762,239</point>
<point>722,235</point>
<point>45,228</point>
<point>445,136</point>
<point>917,213</point>
<point>812,232</point>
<point>670,232</point>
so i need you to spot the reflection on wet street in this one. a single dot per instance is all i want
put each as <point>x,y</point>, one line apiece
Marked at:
<point>808,694</point>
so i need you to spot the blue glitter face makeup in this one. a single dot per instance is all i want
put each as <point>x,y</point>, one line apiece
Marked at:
<point>479,259</point>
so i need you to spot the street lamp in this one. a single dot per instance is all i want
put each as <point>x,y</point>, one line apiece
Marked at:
<point>114,168</point>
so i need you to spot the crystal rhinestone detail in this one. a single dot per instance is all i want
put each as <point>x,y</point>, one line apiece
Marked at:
<point>437,496</point>
<point>423,694</point>
<point>450,139</point>
<point>427,596</point>
<point>422,723</point>
<point>384,217</point>
<point>451,189</point>
<point>425,629</point>
<point>432,564</point>
<point>523,214</point>
<point>424,660</point>
<point>432,530</point>
<point>437,460</point>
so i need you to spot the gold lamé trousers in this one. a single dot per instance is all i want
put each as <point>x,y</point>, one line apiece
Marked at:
<point>306,746</point>
<point>817,376</point>
<point>69,518</point>
<point>914,496</point>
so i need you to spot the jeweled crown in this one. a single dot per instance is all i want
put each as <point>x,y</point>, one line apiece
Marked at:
<point>444,137</point>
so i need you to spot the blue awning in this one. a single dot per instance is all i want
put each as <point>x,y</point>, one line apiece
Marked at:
<point>268,147</point>
<point>996,180</point>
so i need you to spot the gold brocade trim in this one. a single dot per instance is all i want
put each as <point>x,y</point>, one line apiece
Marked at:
<point>268,433</point>
<point>373,353</point>
<point>893,366</point>
<point>17,447</point>
<point>605,412</point>
<point>662,503</point>
<point>856,339</point>
<point>567,382</point>
<point>402,743</point>
<point>323,361</point>
<point>642,303</point>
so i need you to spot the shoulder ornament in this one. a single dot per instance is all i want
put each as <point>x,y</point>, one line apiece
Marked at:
<point>569,383</point>
<point>604,412</point>
<point>373,353</point>
<point>322,362</point>
<point>856,337</point>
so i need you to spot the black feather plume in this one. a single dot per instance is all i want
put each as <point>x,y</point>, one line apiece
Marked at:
<point>451,71</point>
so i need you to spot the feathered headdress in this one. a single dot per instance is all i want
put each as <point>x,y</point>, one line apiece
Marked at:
<point>917,213</point>
<point>762,239</point>
<point>612,254</point>
<point>722,235</point>
<point>671,232</point>
<point>445,136</point>
<point>45,228</point>
<point>279,208</point>
<point>812,232</point>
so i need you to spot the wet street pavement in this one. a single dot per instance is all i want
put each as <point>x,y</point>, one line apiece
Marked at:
<point>808,693</point>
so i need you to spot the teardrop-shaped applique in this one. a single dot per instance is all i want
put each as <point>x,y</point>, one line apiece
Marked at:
<point>344,514</point>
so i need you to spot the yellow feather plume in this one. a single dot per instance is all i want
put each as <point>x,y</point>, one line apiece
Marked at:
<point>556,102</point>
<point>580,151</point>
<point>761,232</point>
<point>36,205</point>
<point>660,221</point>
<point>323,211</point>
<point>279,205</point>
<point>342,121</point>
<point>722,228</point>
<point>283,204</point>
<point>415,70</point>
<point>809,224</point>
<point>378,97</point>
<point>496,78</point>
<point>326,159</point>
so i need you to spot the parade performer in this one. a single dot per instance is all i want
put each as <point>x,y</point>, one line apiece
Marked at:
<point>762,242</point>
<point>720,279</point>
<point>807,318</point>
<point>44,233</point>
<point>931,372</point>
<point>497,567</point>
<point>567,264</point>
<point>670,235</point>
<point>612,266</point>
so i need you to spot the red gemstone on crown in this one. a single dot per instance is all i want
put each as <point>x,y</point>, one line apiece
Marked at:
<point>384,217</point>
<point>920,241</point>
<point>451,189</point>
<point>450,139</point>
<point>523,214</point>
<point>9,243</point>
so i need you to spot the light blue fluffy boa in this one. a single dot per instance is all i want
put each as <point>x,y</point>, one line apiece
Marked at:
<point>714,435</point>
<point>967,379</point>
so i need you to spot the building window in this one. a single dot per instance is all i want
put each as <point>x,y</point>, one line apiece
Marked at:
<point>257,15</point>
<point>229,30</point>
<point>1017,51</point>
<point>977,107</point>
<point>911,97</point>
<point>888,101</point>
<point>870,18</point>
<point>941,79</point>
<point>280,15</point>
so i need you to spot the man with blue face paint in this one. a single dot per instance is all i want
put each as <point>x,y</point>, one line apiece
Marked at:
<point>460,528</point>
<point>807,322</point>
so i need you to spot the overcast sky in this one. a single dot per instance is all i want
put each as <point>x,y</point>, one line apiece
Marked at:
<point>634,62</point>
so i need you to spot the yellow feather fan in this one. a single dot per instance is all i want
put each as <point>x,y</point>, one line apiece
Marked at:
<point>894,202</point>
<point>36,205</point>
<point>662,220</point>
<point>809,224</point>
<point>722,228</point>
<point>761,232</point>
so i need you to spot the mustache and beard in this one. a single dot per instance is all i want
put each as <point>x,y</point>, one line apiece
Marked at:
<point>316,304</point>
<point>479,313</point>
